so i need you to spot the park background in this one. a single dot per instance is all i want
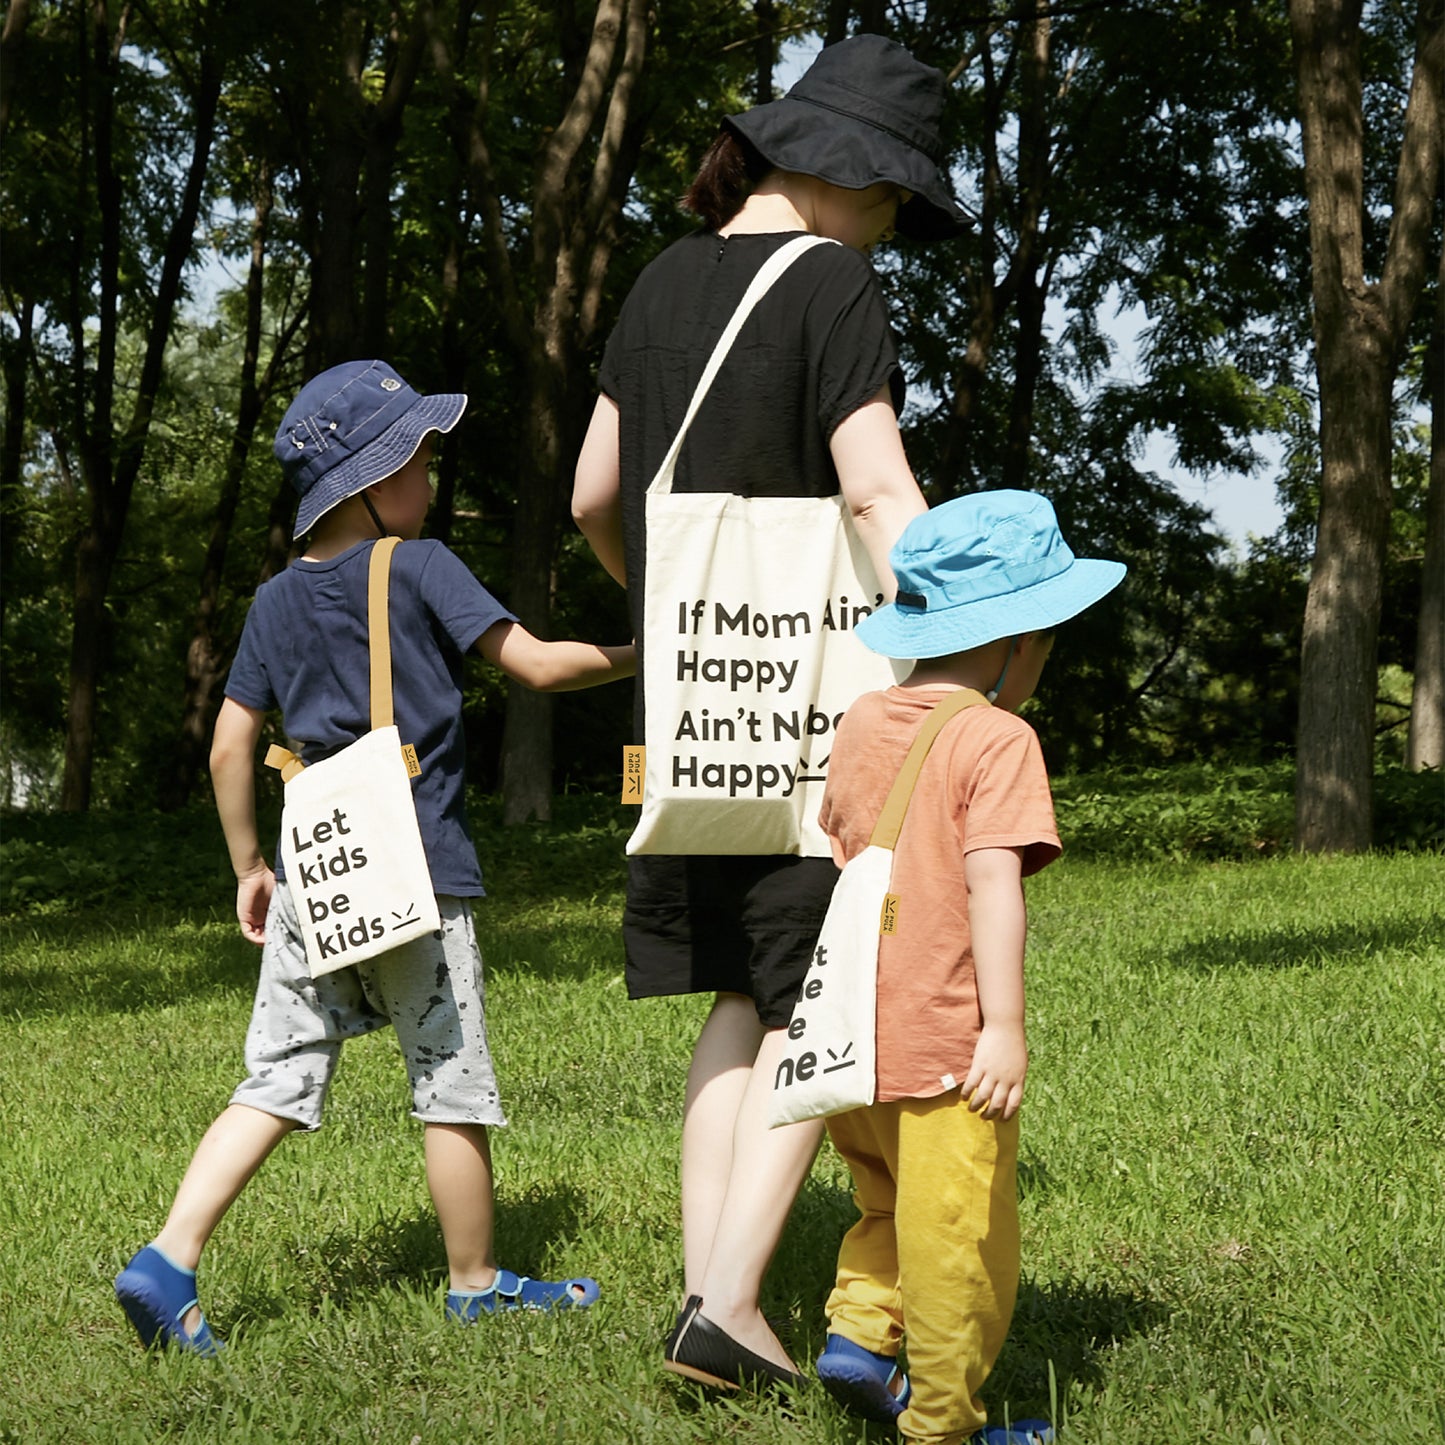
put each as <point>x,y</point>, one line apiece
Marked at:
<point>1207,252</point>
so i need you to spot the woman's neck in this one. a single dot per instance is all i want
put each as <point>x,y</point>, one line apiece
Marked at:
<point>774,206</point>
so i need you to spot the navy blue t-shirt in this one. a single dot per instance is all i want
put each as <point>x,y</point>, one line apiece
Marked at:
<point>304,650</point>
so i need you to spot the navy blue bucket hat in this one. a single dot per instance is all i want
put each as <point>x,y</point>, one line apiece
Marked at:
<point>352,426</point>
<point>865,111</point>
<point>981,567</point>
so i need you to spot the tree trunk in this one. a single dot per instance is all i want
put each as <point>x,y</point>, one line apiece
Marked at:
<point>1022,283</point>
<point>1426,746</point>
<point>334,334</point>
<point>112,467</point>
<point>765,13</point>
<point>956,460</point>
<point>527,734</point>
<point>573,230</point>
<point>12,45</point>
<point>1342,611</point>
<point>16,355</point>
<point>206,656</point>
<point>1359,331</point>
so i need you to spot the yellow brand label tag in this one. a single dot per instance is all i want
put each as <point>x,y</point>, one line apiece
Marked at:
<point>408,756</point>
<point>634,766</point>
<point>888,919</point>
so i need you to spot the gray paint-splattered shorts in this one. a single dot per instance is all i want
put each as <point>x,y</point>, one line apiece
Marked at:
<point>430,991</point>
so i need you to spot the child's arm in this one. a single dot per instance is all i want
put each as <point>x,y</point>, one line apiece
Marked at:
<point>597,489</point>
<point>997,922</point>
<point>553,666</point>
<point>233,779</point>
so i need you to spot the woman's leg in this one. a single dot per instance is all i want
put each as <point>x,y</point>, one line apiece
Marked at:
<point>722,1062</point>
<point>766,1168</point>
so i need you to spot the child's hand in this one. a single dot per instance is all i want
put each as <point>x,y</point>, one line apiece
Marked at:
<point>995,1083</point>
<point>553,666</point>
<point>253,901</point>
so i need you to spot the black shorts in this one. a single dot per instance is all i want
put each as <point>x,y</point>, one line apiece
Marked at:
<point>725,925</point>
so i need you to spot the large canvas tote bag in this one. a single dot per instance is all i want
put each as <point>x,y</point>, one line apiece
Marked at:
<point>829,1063</point>
<point>749,657</point>
<point>352,846</point>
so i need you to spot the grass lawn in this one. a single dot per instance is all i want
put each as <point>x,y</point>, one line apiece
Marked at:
<point>1233,1184</point>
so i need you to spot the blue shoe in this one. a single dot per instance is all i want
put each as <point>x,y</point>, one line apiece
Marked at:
<point>862,1382</point>
<point>520,1292</point>
<point>1021,1432</point>
<point>157,1295</point>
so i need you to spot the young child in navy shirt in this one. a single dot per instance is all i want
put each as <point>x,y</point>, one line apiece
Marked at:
<point>356,444</point>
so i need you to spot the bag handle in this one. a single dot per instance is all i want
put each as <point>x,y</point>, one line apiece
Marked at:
<point>761,284</point>
<point>378,629</point>
<point>890,820</point>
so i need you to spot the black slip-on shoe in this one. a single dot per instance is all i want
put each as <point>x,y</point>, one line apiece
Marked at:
<point>698,1350</point>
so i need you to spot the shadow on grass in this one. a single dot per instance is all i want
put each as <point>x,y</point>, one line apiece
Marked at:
<point>153,967</point>
<point>569,950</point>
<point>1303,947</point>
<point>1072,1325</point>
<point>345,1266</point>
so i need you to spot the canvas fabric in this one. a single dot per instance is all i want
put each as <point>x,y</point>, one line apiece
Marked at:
<point>749,659</point>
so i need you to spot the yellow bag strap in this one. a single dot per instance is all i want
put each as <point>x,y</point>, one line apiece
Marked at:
<point>378,629</point>
<point>378,624</point>
<point>890,820</point>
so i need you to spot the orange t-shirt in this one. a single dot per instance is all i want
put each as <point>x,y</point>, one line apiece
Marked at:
<point>983,785</point>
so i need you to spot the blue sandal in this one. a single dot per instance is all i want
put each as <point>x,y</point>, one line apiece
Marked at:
<point>1021,1432</point>
<point>862,1381</point>
<point>157,1294</point>
<point>520,1292</point>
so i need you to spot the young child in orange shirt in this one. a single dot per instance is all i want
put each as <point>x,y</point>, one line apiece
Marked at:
<point>982,583</point>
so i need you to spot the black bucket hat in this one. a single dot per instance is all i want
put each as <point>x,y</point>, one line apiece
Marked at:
<point>865,111</point>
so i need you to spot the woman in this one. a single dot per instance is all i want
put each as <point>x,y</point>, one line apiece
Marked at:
<point>806,405</point>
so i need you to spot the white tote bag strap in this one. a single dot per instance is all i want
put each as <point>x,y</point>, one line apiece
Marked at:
<point>761,284</point>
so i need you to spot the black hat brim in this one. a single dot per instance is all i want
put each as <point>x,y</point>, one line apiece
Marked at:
<point>814,140</point>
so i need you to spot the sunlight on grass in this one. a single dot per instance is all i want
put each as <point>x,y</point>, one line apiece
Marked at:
<point>1233,1168</point>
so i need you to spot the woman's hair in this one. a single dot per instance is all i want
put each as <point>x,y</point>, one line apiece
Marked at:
<point>729,171</point>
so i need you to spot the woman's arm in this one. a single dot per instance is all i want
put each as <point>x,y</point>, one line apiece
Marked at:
<point>876,480</point>
<point>597,489</point>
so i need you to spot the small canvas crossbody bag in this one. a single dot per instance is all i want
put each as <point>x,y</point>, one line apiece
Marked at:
<point>749,657</point>
<point>829,1064</point>
<point>350,840</point>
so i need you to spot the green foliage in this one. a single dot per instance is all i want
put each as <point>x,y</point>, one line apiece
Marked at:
<point>60,864</point>
<point>1193,812</point>
<point>1172,190</point>
<point>55,865</point>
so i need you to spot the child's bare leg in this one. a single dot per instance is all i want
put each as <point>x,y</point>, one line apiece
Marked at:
<point>768,1169</point>
<point>717,1078</point>
<point>225,1161</point>
<point>459,1175</point>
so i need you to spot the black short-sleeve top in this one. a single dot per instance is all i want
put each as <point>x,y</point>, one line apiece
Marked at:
<point>817,347</point>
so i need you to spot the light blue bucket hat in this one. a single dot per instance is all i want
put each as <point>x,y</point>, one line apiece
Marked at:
<point>981,567</point>
<point>353,425</point>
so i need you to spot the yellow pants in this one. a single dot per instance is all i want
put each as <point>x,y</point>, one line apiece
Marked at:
<point>935,1256</point>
